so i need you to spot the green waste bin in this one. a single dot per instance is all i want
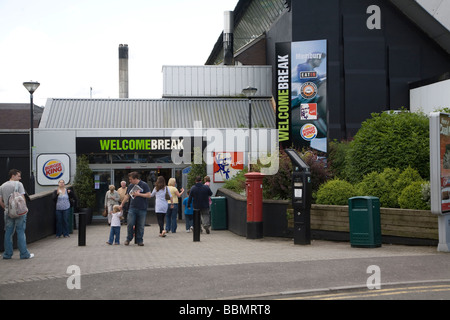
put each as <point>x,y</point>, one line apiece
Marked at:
<point>364,220</point>
<point>219,213</point>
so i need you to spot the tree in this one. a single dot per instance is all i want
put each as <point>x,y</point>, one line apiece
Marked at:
<point>84,183</point>
<point>196,168</point>
<point>390,140</point>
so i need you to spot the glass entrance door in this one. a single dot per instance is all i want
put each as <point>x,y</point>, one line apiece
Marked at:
<point>102,180</point>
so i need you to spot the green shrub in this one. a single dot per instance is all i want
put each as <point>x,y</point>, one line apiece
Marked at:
<point>380,185</point>
<point>412,198</point>
<point>335,192</point>
<point>337,153</point>
<point>279,186</point>
<point>406,178</point>
<point>198,168</point>
<point>237,183</point>
<point>390,140</point>
<point>319,170</point>
<point>84,183</point>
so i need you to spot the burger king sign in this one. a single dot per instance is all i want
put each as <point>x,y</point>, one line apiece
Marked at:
<point>52,168</point>
<point>308,132</point>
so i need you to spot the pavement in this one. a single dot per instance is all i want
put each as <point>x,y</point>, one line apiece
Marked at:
<point>222,265</point>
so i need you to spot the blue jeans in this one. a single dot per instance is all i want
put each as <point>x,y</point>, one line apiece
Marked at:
<point>136,218</point>
<point>171,218</point>
<point>15,225</point>
<point>115,232</point>
<point>189,221</point>
<point>62,222</point>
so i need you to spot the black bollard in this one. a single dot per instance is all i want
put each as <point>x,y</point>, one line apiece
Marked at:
<point>82,228</point>
<point>196,225</point>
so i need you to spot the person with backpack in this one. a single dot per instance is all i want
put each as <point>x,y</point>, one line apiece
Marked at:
<point>14,224</point>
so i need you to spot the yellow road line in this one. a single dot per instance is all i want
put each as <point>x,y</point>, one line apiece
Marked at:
<point>374,293</point>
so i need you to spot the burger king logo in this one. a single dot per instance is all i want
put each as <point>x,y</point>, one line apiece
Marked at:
<point>308,90</point>
<point>53,169</point>
<point>308,132</point>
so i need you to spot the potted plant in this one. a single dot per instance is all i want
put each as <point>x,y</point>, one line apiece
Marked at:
<point>83,186</point>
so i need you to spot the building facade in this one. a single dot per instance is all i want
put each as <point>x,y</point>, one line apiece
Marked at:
<point>374,50</point>
<point>153,137</point>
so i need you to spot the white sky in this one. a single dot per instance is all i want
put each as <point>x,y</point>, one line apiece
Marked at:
<point>71,45</point>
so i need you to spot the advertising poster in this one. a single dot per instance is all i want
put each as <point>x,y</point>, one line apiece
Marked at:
<point>302,94</point>
<point>445,161</point>
<point>227,165</point>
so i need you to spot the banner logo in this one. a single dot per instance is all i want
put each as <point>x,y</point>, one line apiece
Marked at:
<point>53,169</point>
<point>309,90</point>
<point>308,132</point>
<point>308,111</point>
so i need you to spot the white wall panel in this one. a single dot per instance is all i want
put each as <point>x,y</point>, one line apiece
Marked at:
<point>215,81</point>
<point>431,97</point>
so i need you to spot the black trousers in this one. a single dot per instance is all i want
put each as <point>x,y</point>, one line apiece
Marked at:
<point>160,217</point>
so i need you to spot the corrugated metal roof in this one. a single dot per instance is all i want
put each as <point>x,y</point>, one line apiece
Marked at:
<point>215,81</point>
<point>161,113</point>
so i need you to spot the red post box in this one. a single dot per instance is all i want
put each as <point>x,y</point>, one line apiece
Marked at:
<point>253,186</point>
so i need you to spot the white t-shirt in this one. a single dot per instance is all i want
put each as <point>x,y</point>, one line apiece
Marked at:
<point>161,204</point>
<point>115,220</point>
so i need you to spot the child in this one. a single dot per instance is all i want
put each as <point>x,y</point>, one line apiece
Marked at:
<point>115,226</point>
<point>188,214</point>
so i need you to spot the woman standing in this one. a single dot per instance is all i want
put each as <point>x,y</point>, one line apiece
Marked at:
<point>172,211</point>
<point>63,198</point>
<point>161,204</point>
<point>111,199</point>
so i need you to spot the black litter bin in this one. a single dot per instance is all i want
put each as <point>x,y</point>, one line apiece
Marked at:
<point>219,213</point>
<point>364,220</point>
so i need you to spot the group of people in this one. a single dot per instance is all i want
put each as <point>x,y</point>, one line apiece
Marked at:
<point>166,207</point>
<point>130,204</point>
<point>132,199</point>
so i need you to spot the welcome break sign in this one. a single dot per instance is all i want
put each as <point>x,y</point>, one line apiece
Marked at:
<point>301,94</point>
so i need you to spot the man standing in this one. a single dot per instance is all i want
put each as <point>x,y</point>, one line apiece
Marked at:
<point>18,224</point>
<point>200,194</point>
<point>138,192</point>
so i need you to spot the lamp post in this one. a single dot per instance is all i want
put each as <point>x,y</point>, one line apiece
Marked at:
<point>249,92</point>
<point>31,86</point>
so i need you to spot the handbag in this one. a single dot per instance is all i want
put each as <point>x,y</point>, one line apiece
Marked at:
<point>167,194</point>
<point>105,213</point>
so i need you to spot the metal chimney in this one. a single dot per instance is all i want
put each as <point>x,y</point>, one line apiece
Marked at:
<point>123,71</point>
<point>228,55</point>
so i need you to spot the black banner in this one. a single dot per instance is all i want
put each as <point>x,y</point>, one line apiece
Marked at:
<point>128,145</point>
<point>283,93</point>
